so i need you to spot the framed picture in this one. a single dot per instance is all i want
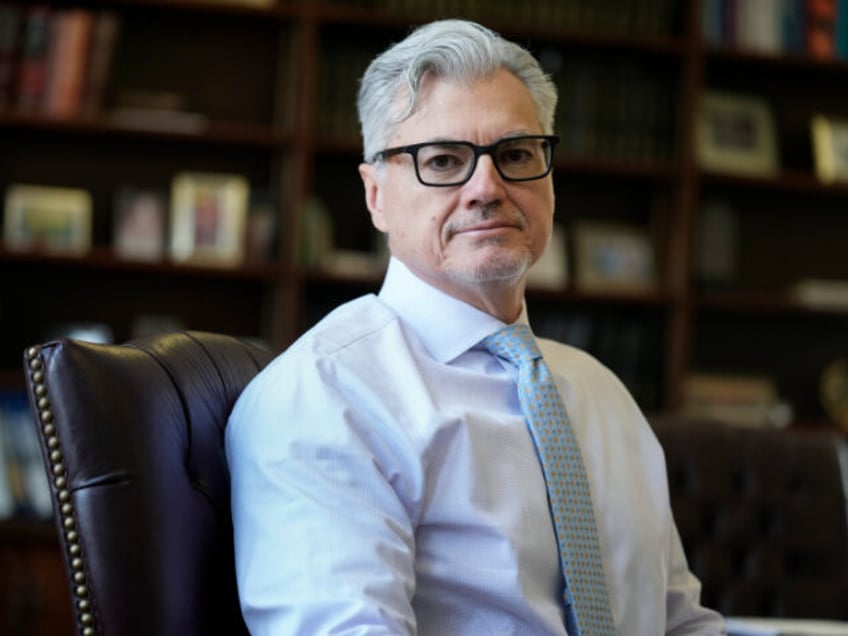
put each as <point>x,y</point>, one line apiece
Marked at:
<point>140,220</point>
<point>830,148</point>
<point>737,134</point>
<point>613,257</point>
<point>55,220</point>
<point>208,213</point>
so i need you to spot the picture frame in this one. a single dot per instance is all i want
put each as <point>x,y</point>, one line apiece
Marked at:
<point>830,148</point>
<point>611,256</point>
<point>737,134</point>
<point>55,220</point>
<point>208,215</point>
<point>140,218</point>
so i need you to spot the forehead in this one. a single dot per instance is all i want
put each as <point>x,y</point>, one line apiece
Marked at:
<point>481,109</point>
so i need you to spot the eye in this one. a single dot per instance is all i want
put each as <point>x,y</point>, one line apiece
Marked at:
<point>516,154</point>
<point>443,158</point>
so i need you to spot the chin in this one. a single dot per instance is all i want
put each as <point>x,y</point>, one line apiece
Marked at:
<point>498,269</point>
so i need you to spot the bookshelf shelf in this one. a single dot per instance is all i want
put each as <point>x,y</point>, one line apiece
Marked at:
<point>778,62</point>
<point>221,133</point>
<point>787,182</point>
<point>765,303</point>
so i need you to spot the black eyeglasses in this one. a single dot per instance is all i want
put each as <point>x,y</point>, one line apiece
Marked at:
<point>451,163</point>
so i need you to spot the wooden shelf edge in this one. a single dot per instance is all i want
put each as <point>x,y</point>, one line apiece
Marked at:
<point>778,60</point>
<point>786,182</point>
<point>216,132</point>
<point>102,258</point>
<point>762,302</point>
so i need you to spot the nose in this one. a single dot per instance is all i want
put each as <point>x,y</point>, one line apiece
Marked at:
<point>486,184</point>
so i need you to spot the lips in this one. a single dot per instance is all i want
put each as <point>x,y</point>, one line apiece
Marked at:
<point>482,227</point>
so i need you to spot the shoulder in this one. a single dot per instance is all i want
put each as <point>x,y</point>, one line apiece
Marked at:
<point>337,349</point>
<point>563,359</point>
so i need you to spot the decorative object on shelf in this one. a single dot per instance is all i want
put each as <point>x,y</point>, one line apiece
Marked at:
<point>830,148</point>
<point>140,219</point>
<point>551,270</point>
<point>717,255</point>
<point>736,134</point>
<point>316,233</point>
<point>162,111</point>
<point>833,391</point>
<point>261,229</point>
<point>613,257</point>
<point>208,214</point>
<point>55,220</point>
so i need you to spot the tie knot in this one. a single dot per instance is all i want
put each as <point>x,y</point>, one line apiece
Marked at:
<point>514,343</point>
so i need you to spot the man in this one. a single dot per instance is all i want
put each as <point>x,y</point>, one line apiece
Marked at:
<point>384,479</point>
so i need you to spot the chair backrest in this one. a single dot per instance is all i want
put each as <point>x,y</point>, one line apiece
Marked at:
<point>132,437</point>
<point>762,516</point>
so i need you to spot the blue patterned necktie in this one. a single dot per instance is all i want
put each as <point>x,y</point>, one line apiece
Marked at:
<point>587,609</point>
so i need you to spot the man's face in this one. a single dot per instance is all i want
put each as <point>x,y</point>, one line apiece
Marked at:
<point>477,237</point>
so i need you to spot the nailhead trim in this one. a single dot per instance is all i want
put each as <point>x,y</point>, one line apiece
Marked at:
<point>83,609</point>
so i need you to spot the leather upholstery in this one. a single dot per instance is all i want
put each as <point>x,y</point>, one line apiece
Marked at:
<point>132,437</point>
<point>762,517</point>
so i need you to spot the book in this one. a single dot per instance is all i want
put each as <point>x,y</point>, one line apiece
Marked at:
<point>67,61</point>
<point>31,74</point>
<point>8,498</point>
<point>104,37</point>
<point>759,25</point>
<point>821,29</point>
<point>24,463</point>
<point>745,400</point>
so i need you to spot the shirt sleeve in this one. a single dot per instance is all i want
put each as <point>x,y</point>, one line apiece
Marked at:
<point>685,614</point>
<point>324,541</point>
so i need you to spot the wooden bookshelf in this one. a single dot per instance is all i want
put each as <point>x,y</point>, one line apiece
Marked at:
<point>274,86</point>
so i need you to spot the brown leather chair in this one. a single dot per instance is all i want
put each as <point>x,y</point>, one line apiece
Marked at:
<point>762,516</point>
<point>132,437</point>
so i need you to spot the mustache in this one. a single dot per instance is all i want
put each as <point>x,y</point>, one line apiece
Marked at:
<point>485,216</point>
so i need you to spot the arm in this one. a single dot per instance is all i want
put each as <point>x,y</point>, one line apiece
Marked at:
<point>324,543</point>
<point>685,614</point>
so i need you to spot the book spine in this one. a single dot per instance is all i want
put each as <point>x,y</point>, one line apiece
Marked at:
<point>67,62</point>
<point>104,38</point>
<point>821,29</point>
<point>32,66</point>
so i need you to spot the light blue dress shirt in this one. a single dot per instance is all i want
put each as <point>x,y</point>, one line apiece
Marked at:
<point>384,482</point>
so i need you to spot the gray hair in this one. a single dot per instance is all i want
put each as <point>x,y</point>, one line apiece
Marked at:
<point>454,49</point>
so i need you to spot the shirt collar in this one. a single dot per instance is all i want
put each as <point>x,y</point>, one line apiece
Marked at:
<point>447,326</point>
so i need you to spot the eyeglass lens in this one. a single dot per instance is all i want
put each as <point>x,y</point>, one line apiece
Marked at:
<point>449,163</point>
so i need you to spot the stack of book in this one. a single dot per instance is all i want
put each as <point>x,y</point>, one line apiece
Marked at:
<point>55,61</point>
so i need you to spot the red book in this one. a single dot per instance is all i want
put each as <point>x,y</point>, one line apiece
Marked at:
<point>821,29</point>
<point>67,61</point>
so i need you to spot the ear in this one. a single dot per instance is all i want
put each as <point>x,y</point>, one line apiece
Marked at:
<point>373,195</point>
